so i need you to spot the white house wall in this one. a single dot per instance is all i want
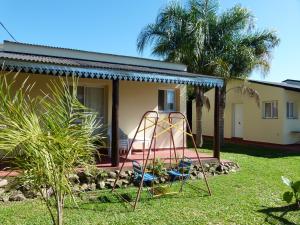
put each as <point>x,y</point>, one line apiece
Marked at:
<point>277,131</point>
<point>135,99</point>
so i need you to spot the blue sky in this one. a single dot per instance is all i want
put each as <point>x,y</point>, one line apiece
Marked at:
<point>112,26</point>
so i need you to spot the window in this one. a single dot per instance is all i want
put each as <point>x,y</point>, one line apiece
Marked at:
<point>270,110</point>
<point>290,110</point>
<point>166,100</point>
<point>93,98</point>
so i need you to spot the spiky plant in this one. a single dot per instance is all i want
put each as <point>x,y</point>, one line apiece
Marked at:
<point>50,136</point>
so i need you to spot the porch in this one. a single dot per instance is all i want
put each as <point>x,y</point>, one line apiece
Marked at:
<point>125,83</point>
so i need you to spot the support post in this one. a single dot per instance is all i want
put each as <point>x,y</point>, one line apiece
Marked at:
<point>115,136</point>
<point>217,123</point>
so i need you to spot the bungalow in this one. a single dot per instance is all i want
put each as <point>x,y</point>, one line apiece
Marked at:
<point>120,88</point>
<point>275,121</point>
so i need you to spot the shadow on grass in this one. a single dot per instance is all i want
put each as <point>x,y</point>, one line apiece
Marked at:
<point>104,202</point>
<point>273,218</point>
<point>256,151</point>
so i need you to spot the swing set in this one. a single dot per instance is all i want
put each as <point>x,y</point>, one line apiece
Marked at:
<point>156,127</point>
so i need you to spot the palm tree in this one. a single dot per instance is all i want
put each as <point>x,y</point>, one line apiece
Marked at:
<point>225,45</point>
<point>178,35</point>
<point>236,49</point>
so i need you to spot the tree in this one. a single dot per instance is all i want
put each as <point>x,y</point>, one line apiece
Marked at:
<point>218,44</point>
<point>49,136</point>
<point>178,35</point>
<point>237,49</point>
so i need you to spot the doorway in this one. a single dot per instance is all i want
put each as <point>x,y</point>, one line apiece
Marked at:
<point>238,120</point>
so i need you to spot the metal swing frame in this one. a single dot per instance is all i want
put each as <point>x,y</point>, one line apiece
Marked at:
<point>153,118</point>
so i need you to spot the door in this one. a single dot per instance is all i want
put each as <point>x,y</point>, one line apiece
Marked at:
<point>238,120</point>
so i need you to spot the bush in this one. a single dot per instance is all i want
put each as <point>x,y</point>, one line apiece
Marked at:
<point>288,196</point>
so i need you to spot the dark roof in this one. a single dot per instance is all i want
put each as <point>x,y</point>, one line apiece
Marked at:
<point>293,82</point>
<point>34,59</point>
<point>78,50</point>
<point>89,64</point>
<point>284,85</point>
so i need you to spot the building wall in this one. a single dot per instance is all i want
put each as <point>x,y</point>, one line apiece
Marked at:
<point>135,99</point>
<point>292,125</point>
<point>256,128</point>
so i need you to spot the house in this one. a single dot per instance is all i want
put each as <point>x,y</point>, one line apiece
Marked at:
<point>275,121</point>
<point>120,88</point>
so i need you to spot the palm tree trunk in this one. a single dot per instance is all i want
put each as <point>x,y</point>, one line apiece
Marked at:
<point>60,205</point>
<point>199,94</point>
<point>222,111</point>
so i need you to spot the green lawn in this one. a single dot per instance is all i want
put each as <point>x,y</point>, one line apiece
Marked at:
<point>250,196</point>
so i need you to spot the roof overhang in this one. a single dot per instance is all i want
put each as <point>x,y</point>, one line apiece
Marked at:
<point>110,74</point>
<point>37,59</point>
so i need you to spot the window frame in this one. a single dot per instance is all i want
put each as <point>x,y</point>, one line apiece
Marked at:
<point>88,85</point>
<point>174,90</point>
<point>273,114</point>
<point>288,110</point>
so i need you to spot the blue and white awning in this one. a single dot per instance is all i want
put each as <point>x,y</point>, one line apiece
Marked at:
<point>113,74</point>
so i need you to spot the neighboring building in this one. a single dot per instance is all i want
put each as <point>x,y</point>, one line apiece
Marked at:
<point>138,84</point>
<point>276,121</point>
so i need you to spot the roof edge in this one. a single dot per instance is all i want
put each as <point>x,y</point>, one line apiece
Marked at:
<point>17,47</point>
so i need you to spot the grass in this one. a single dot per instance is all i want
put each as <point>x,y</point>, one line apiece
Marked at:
<point>250,196</point>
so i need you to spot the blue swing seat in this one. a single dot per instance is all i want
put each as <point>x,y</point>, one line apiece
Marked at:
<point>138,173</point>
<point>184,166</point>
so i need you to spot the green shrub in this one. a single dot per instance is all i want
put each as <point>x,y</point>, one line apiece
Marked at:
<point>288,196</point>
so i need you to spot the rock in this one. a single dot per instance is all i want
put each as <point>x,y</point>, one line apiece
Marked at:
<point>30,194</point>
<point>76,188</point>
<point>193,177</point>
<point>123,175</point>
<point>85,178</point>
<point>118,184</point>
<point>220,168</point>
<point>101,176</point>
<point>17,196</point>
<point>84,187</point>
<point>74,178</point>
<point>112,174</point>
<point>200,176</point>
<point>92,187</point>
<point>2,190</point>
<point>124,181</point>
<point>111,184</point>
<point>117,171</point>
<point>100,185</point>
<point>3,183</point>
<point>194,172</point>
<point>4,198</point>
<point>108,184</point>
<point>129,172</point>
<point>206,165</point>
<point>162,179</point>
<point>110,180</point>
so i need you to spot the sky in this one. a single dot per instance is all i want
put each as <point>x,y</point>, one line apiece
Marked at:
<point>112,26</point>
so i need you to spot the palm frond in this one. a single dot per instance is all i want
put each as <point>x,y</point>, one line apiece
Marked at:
<point>247,91</point>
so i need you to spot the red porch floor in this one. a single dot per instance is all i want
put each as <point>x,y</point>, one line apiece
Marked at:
<point>163,155</point>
